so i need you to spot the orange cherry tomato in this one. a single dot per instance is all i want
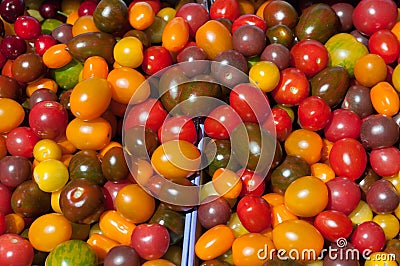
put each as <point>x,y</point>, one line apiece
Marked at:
<point>300,236</point>
<point>49,230</point>
<point>306,196</point>
<point>11,114</point>
<point>246,7</point>
<point>95,67</point>
<point>158,262</point>
<point>57,56</point>
<point>280,213</point>
<point>265,75</point>
<point>90,98</point>
<point>128,52</point>
<point>274,199</point>
<point>213,37</point>
<point>128,85</point>
<point>72,18</point>
<point>252,249</point>
<point>176,159</point>
<point>260,9</point>
<point>3,147</point>
<point>175,34</point>
<point>101,244</point>
<point>370,69</point>
<point>385,99</point>
<point>66,146</point>
<point>214,242</point>
<point>323,171</point>
<point>116,227</point>
<point>84,24</point>
<point>227,183</point>
<point>135,204</point>
<point>141,15</point>
<point>89,135</point>
<point>304,143</point>
<point>42,83</point>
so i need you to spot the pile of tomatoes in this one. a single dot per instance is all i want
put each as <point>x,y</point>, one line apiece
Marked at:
<point>273,125</point>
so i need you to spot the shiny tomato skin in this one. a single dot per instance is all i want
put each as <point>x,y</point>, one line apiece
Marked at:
<point>283,123</point>
<point>343,123</point>
<point>15,250</point>
<point>221,122</point>
<point>344,195</point>
<point>384,43</point>
<point>333,225</point>
<point>5,199</point>
<point>313,113</point>
<point>21,141</point>
<point>348,158</point>
<point>292,88</point>
<point>229,9</point>
<point>195,14</point>
<point>252,183</point>
<point>385,161</point>
<point>178,127</point>
<point>155,58</point>
<point>310,56</point>
<point>255,213</point>
<point>249,19</point>
<point>368,236</point>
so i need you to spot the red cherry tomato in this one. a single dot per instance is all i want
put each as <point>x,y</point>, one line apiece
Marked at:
<point>292,88</point>
<point>3,225</point>
<point>385,161</point>
<point>178,127</point>
<point>368,236</point>
<point>255,213</point>
<point>15,250</point>
<point>252,183</point>
<point>343,123</point>
<point>249,19</point>
<point>5,199</point>
<point>313,113</point>
<point>344,195</point>
<point>229,9</point>
<point>21,141</point>
<point>333,225</point>
<point>348,158</point>
<point>385,44</point>
<point>221,121</point>
<point>195,15</point>
<point>283,123</point>
<point>155,58</point>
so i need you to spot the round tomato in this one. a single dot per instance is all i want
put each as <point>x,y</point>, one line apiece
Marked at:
<point>15,250</point>
<point>252,249</point>
<point>221,121</point>
<point>255,213</point>
<point>384,43</point>
<point>333,225</point>
<point>129,52</point>
<point>306,144</point>
<point>313,113</point>
<point>178,127</point>
<point>156,58</point>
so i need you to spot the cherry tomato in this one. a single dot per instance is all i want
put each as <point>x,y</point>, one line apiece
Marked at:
<point>249,19</point>
<point>343,123</point>
<point>95,67</point>
<point>292,88</point>
<point>195,15</point>
<point>11,114</point>
<point>265,75</point>
<point>228,9</point>
<point>389,223</point>
<point>151,241</point>
<point>362,213</point>
<point>135,204</point>
<point>370,69</point>
<point>236,225</point>
<point>21,141</point>
<point>49,230</point>
<point>84,24</point>
<point>51,175</point>
<point>214,242</point>
<point>384,43</point>
<point>221,122</point>
<point>116,227</point>
<point>3,226</point>
<point>385,99</point>
<point>175,34</point>
<point>298,235</point>
<point>333,225</point>
<point>47,149</point>
<point>306,196</point>
<point>15,250</point>
<point>313,113</point>
<point>323,171</point>
<point>178,127</point>
<point>252,183</point>
<point>156,58</point>
<point>348,158</point>
<point>5,199</point>
<point>310,56</point>
<point>255,213</point>
<point>227,183</point>
<point>280,214</point>
<point>213,37</point>
<point>304,143</point>
<point>252,249</point>
<point>57,56</point>
<point>283,123</point>
<point>128,52</point>
<point>368,235</point>
<point>141,15</point>
<point>384,161</point>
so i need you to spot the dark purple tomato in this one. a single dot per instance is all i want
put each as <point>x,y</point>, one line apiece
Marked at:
<point>368,236</point>
<point>122,255</point>
<point>367,180</point>
<point>195,15</point>
<point>370,16</point>
<point>10,10</point>
<point>360,37</point>
<point>249,40</point>
<point>62,33</point>
<point>48,119</point>
<point>281,34</point>
<point>150,241</point>
<point>382,196</point>
<point>5,199</point>
<point>191,54</point>
<point>21,140</point>
<point>333,225</point>
<point>221,122</point>
<point>385,161</point>
<point>178,127</point>
<point>278,54</point>
<point>86,8</point>
<point>42,95</point>
<point>344,195</point>
<point>15,250</point>
<point>48,9</point>
<point>43,42</point>
<point>14,170</point>
<point>348,158</point>
<point>113,165</point>
<point>27,67</point>
<point>13,46</point>
<point>345,12</point>
<point>111,189</point>
<point>280,12</point>
<point>9,88</point>
<point>27,27</point>
<point>343,123</point>
<point>378,131</point>
<point>140,141</point>
<point>216,210</point>
<point>313,113</point>
<point>231,68</point>
<point>384,43</point>
<point>310,56</point>
<point>358,100</point>
<point>254,213</point>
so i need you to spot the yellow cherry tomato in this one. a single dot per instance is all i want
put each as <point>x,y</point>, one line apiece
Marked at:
<point>236,225</point>
<point>11,114</point>
<point>381,258</point>
<point>51,175</point>
<point>396,71</point>
<point>362,213</point>
<point>176,159</point>
<point>265,75</point>
<point>49,230</point>
<point>47,149</point>
<point>389,223</point>
<point>304,143</point>
<point>252,249</point>
<point>55,201</point>
<point>175,34</point>
<point>385,99</point>
<point>306,196</point>
<point>166,13</point>
<point>213,37</point>
<point>214,242</point>
<point>128,52</point>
